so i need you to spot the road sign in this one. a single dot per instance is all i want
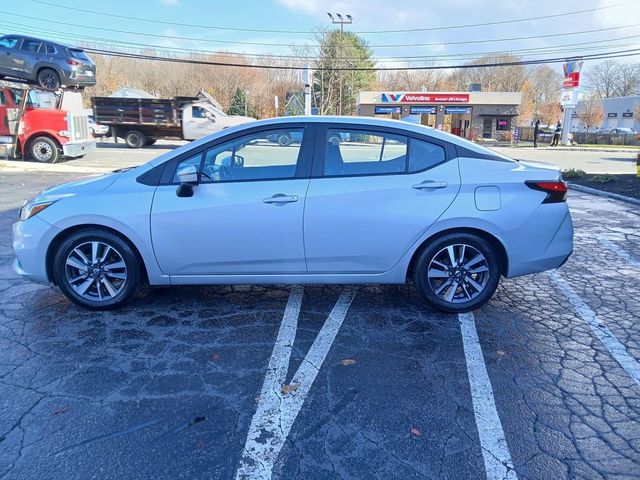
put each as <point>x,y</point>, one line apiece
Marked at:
<point>569,98</point>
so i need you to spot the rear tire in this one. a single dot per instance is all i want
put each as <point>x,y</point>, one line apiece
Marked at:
<point>461,285</point>
<point>134,139</point>
<point>49,78</point>
<point>149,141</point>
<point>97,269</point>
<point>44,150</point>
<point>284,140</point>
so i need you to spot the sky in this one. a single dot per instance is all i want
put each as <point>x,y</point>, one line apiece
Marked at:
<point>63,20</point>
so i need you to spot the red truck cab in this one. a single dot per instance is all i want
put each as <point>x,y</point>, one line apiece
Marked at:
<point>32,125</point>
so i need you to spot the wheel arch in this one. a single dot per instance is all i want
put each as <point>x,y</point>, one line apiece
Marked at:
<point>50,66</point>
<point>64,234</point>
<point>489,237</point>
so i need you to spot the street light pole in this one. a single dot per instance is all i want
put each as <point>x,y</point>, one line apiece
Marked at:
<point>342,21</point>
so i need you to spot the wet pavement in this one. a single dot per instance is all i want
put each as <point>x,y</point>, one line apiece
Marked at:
<point>173,385</point>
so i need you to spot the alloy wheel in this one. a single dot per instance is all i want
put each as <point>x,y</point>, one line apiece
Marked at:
<point>96,271</point>
<point>48,80</point>
<point>458,273</point>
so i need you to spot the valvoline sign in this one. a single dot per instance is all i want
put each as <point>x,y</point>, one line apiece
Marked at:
<point>425,97</point>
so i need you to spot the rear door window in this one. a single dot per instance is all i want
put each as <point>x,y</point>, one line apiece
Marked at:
<point>50,49</point>
<point>364,152</point>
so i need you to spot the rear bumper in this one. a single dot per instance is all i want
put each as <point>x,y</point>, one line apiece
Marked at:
<point>76,79</point>
<point>551,247</point>
<point>77,149</point>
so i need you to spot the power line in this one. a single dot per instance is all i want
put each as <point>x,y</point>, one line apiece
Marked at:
<point>369,32</point>
<point>597,56</point>
<point>572,48</point>
<point>467,42</point>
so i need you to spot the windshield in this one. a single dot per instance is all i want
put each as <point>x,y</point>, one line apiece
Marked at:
<point>35,99</point>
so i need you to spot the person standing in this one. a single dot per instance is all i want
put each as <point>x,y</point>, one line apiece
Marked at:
<point>536,132</point>
<point>556,135</point>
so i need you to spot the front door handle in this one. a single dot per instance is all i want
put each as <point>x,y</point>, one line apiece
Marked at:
<point>430,185</point>
<point>281,199</point>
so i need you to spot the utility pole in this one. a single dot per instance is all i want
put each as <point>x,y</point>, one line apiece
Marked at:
<point>348,21</point>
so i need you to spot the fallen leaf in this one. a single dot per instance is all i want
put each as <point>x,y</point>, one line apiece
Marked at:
<point>501,353</point>
<point>61,410</point>
<point>215,356</point>
<point>347,361</point>
<point>290,388</point>
<point>201,443</point>
<point>415,431</point>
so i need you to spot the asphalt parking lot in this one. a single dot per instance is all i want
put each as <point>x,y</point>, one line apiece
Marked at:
<point>329,382</point>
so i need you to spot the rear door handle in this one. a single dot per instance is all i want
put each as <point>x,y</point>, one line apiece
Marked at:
<point>430,185</point>
<point>281,199</point>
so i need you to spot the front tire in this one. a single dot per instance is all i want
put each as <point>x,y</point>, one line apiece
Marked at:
<point>458,272</point>
<point>44,150</point>
<point>97,269</point>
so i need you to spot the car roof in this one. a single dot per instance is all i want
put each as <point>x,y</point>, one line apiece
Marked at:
<point>27,37</point>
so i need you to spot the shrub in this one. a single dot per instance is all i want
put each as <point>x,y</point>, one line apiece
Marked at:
<point>573,173</point>
<point>602,178</point>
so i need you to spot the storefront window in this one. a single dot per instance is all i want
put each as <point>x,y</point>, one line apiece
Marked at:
<point>502,124</point>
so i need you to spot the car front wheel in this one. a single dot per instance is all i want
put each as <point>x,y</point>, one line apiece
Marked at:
<point>97,269</point>
<point>458,272</point>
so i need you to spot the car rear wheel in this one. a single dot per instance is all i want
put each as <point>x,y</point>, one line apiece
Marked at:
<point>44,150</point>
<point>458,272</point>
<point>97,269</point>
<point>149,141</point>
<point>49,78</point>
<point>284,140</point>
<point>134,139</point>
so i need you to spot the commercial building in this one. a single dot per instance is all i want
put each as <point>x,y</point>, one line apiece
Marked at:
<point>467,114</point>
<point>618,112</point>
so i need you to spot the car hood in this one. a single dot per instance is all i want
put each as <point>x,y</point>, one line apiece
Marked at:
<point>81,186</point>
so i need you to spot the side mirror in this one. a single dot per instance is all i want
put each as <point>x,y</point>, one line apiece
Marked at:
<point>188,177</point>
<point>210,116</point>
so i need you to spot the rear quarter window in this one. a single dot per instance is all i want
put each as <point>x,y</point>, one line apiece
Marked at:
<point>79,54</point>
<point>424,155</point>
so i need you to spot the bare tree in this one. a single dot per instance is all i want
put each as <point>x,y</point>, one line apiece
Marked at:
<point>613,79</point>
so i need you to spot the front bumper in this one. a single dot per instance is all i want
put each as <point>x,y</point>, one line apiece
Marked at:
<point>77,149</point>
<point>31,239</point>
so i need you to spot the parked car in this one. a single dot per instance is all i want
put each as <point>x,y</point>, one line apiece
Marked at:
<point>50,64</point>
<point>622,131</point>
<point>403,202</point>
<point>141,121</point>
<point>96,129</point>
<point>285,139</point>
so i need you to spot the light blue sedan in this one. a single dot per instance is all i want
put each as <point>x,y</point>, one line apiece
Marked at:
<point>394,202</point>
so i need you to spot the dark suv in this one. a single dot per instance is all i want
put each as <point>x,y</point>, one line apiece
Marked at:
<point>51,65</point>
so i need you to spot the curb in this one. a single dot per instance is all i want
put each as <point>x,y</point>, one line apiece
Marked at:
<point>602,193</point>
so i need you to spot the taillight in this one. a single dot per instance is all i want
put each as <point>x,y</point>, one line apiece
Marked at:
<point>75,63</point>
<point>556,191</point>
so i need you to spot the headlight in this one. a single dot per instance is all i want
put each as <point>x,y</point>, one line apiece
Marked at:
<point>28,210</point>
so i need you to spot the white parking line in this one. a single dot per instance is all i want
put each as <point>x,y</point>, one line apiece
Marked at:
<point>608,244</point>
<point>276,411</point>
<point>495,451</point>
<point>608,339</point>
